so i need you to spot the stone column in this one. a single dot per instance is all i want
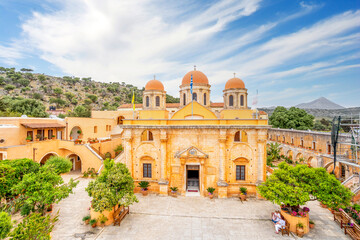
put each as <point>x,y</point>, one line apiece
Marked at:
<point>128,151</point>
<point>163,182</point>
<point>222,184</point>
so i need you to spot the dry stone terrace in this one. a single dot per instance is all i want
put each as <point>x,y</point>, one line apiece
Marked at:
<point>156,217</point>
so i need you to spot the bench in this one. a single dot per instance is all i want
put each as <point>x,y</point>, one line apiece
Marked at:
<point>119,214</point>
<point>286,228</point>
<point>353,231</point>
<point>342,218</point>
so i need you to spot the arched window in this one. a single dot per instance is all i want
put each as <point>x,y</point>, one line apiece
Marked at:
<point>147,136</point>
<point>237,137</point>
<point>147,101</point>
<point>231,100</point>
<point>240,136</point>
<point>204,98</point>
<point>184,99</point>
<point>157,101</point>
<point>242,100</point>
<point>195,96</point>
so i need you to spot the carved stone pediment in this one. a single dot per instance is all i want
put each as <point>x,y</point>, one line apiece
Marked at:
<point>191,152</point>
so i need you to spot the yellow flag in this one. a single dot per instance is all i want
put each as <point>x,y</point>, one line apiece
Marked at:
<point>133,100</point>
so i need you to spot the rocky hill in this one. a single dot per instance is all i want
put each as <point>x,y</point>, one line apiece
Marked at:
<point>67,92</point>
<point>320,103</point>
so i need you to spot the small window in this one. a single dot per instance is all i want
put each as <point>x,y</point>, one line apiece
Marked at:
<point>329,148</point>
<point>184,99</point>
<point>109,127</point>
<point>237,137</point>
<point>231,100</point>
<point>242,100</point>
<point>240,172</point>
<point>314,145</point>
<point>147,170</point>
<point>95,129</point>
<point>194,96</point>
<point>157,99</point>
<point>302,143</point>
<point>50,133</point>
<point>283,139</point>
<point>292,141</point>
<point>147,136</point>
<point>147,101</point>
<point>204,98</point>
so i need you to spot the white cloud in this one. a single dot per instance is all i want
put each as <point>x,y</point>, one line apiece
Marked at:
<point>9,54</point>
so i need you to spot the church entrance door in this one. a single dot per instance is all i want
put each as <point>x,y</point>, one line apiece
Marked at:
<point>192,180</point>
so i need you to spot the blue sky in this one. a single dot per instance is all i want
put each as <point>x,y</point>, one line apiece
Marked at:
<point>290,51</point>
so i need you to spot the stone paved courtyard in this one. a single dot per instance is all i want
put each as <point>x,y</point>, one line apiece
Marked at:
<point>156,217</point>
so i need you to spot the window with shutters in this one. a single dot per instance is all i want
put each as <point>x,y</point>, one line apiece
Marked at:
<point>184,99</point>
<point>204,98</point>
<point>147,101</point>
<point>231,100</point>
<point>147,170</point>
<point>240,172</point>
<point>157,101</point>
<point>242,100</point>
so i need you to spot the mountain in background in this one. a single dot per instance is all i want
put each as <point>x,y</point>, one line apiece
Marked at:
<point>320,103</point>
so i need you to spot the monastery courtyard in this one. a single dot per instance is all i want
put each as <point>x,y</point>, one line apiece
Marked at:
<point>156,217</point>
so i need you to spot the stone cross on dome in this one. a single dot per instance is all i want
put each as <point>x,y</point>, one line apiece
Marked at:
<point>154,77</point>
<point>194,67</point>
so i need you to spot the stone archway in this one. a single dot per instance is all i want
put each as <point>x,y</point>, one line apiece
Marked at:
<point>46,157</point>
<point>290,154</point>
<point>76,132</point>
<point>76,162</point>
<point>299,157</point>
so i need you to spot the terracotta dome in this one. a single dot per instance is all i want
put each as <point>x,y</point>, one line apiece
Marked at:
<point>154,85</point>
<point>234,83</point>
<point>198,77</point>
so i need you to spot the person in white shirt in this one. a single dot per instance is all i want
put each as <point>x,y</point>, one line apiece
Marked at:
<point>276,217</point>
<point>279,225</point>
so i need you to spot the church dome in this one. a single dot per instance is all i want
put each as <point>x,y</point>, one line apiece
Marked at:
<point>234,83</point>
<point>154,85</point>
<point>198,77</point>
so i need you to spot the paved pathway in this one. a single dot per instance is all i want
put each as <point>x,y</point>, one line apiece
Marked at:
<point>160,218</point>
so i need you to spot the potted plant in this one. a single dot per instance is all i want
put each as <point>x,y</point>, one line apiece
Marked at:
<point>45,138</point>
<point>174,191</point>
<point>211,191</point>
<point>28,138</point>
<point>93,222</point>
<point>118,149</point>
<point>243,193</point>
<point>38,136</point>
<point>79,132</point>
<point>144,187</point>
<point>53,137</point>
<point>102,219</point>
<point>311,224</point>
<point>70,135</point>
<point>49,208</point>
<point>300,229</point>
<point>86,219</point>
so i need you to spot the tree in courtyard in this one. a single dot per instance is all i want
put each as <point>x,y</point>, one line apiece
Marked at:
<point>293,186</point>
<point>5,224</point>
<point>33,227</point>
<point>43,188</point>
<point>273,153</point>
<point>58,164</point>
<point>113,187</point>
<point>295,118</point>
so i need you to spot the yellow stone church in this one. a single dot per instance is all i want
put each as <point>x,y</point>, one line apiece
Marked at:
<point>192,145</point>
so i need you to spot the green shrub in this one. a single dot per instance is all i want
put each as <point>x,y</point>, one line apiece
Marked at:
<point>59,164</point>
<point>174,189</point>
<point>26,209</point>
<point>210,190</point>
<point>144,185</point>
<point>5,224</point>
<point>107,155</point>
<point>86,218</point>
<point>243,190</point>
<point>93,221</point>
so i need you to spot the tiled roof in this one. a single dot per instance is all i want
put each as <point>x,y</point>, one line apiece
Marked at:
<point>43,125</point>
<point>216,104</point>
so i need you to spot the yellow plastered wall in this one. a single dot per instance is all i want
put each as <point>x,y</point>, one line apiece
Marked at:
<point>233,114</point>
<point>87,126</point>
<point>153,114</point>
<point>108,146</point>
<point>17,135</point>
<point>198,110</point>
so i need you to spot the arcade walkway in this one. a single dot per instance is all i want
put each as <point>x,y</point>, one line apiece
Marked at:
<point>187,218</point>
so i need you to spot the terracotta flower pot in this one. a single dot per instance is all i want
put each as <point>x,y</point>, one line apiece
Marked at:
<point>87,222</point>
<point>211,196</point>
<point>300,232</point>
<point>144,192</point>
<point>173,194</point>
<point>243,197</point>
<point>94,225</point>
<point>27,140</point>
<point>311,225</point>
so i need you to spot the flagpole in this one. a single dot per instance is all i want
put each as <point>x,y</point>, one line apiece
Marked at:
<point>133,102</point>
<point>192,97</point>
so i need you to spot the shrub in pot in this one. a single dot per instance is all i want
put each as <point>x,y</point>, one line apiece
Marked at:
<point>243,193</point>
<point>144,187</point>
<point>28,138</point>
<point>311,224</point>
<point>86,219</point>
<point>53,137</point>
<point>211,191</point>
<point>174,191</point>
<point>300,229</point>
<point>93,222</point>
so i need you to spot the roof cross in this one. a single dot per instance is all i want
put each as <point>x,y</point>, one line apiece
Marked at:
<point>194,67</point>
<point>154,77</point>
<point>234,75</point>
